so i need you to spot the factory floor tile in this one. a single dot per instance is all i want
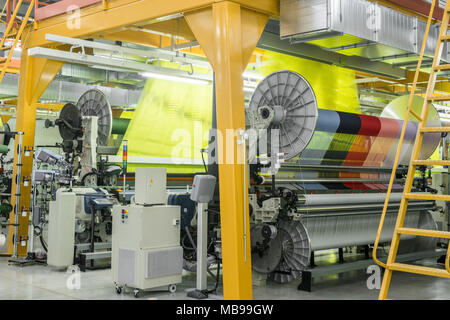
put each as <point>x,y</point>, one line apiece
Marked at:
<point>41,282</point>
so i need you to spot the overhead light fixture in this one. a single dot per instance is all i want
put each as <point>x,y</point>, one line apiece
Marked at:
<point>441,107</point>
<point>444,115</point>
<point>254,76</point>
<point>174,78</point>
<point>366,80</point>
<point>250,84</point>
<point>170,17</point>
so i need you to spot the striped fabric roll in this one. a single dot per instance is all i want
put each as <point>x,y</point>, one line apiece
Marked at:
<point>351,139</point>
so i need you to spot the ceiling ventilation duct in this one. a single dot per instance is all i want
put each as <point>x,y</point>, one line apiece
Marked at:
<point>356,27</point>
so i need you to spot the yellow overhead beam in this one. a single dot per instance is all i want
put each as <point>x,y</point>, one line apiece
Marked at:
<point>121,13</point>
<point>395,85</point>
<point>176,27</point>
<point>11,70</point>
<point>136,37</point>
<point>45,106</point>
<point>443,86</point>
<point>5,118</point>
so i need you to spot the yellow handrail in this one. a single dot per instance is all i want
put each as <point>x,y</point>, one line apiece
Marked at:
<point>447,258</point>
<point>4,7</point>
<point>10,23</point>
<point>400,143</point>
<point>16,40</point>
<point>399,230</point>
<point>3,10</point>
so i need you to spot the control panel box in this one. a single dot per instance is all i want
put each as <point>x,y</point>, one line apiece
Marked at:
<point>150,187</point>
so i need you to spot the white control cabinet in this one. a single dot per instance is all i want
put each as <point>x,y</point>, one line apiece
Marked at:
<point>150,186</point>
<point>146,251</point>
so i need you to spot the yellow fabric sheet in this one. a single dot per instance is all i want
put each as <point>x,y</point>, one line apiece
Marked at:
<point>172,119</point>
<point>335,87</point>
<point>166,108</point>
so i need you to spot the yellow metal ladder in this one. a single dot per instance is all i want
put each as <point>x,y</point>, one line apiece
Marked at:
<point>399,230</point>
<point>13,37</point>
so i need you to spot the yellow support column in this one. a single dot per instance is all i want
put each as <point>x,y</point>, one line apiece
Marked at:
<point>35,76</point>
<point>228,33</point>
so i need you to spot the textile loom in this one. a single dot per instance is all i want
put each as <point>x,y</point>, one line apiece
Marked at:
<point>325,189</point>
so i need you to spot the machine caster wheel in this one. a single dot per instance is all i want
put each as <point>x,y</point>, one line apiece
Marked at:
<point>118,290</point>
<point>172,288</point>
<point>137,293</point>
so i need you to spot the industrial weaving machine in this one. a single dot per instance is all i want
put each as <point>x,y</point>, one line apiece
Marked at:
<point>325,188</point>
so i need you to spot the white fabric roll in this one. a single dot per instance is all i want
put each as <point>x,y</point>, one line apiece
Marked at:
<point>335,199</point>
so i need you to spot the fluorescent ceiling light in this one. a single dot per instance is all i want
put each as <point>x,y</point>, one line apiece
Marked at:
<point>251,75</point>
<point>250,84</point>
<point>444,115</point>
<point>174,78</point>
<point>366,80</point>
<point>441,107</point>
<point>170,17</point>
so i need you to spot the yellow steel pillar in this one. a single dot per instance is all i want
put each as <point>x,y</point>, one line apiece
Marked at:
<point>35,76</point>
<point>228,33</point>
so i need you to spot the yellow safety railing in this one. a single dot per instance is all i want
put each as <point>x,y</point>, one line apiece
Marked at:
<point>391,265</point>
<point>402,137</point>
<point>10,24</point>
<point>3,11</point>
<point>18,35</point>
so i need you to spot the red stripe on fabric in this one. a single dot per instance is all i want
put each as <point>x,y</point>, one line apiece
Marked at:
<point>391,128</point>
<point>370,125</point>
<point>358,152</point>
<point>356,186</point>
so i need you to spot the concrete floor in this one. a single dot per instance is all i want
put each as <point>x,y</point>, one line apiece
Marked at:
<point>40,282</point>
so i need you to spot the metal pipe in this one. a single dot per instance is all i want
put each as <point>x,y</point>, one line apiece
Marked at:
<point>18,184</point>
<point>313,167</point>
<point>423,205</point>
<point>347,198</point>
<point>334,180</point>
<point>92,246</point>
<point>356,213</point>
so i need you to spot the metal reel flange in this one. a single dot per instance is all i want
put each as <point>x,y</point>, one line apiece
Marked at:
<point>296,251</point>
<point>94,103</point>
<point>295,110</point>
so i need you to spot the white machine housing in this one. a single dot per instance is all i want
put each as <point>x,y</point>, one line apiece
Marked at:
<point>146,251</point>
<point>441,182</point>
<point>67,216</point>
<point>268,212</point>
<point>61,229</point>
